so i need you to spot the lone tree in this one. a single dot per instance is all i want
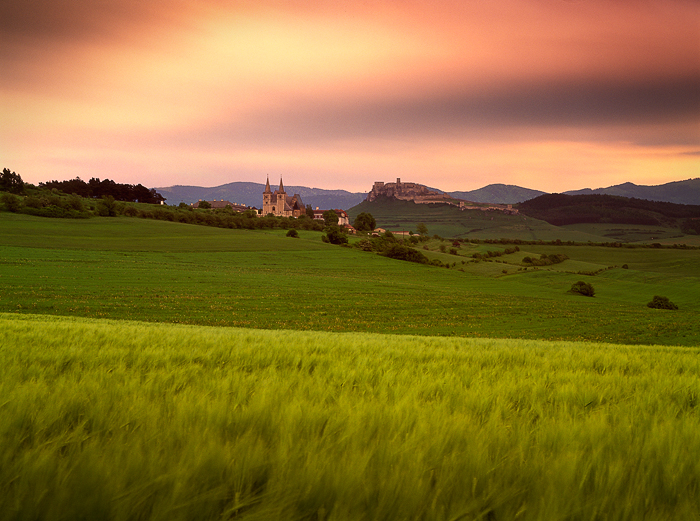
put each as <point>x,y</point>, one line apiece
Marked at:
<point>582,288</point>
<point>335,236</point>
<point>661,303</point>
<point>364,222</point>
<point>422,229</point>
<point>330,218</point>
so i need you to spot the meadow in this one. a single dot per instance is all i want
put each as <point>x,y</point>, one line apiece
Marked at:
<point>137,269</point>
<point>449,221</point>
<point>120,420</point>
<point>158,370</point>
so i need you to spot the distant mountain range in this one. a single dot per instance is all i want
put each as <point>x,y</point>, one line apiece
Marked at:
<point>679,192</point>
<point>250,194</point>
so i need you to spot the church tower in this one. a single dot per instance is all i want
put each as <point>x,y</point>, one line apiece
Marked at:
<point>267,199</point>
<point>281,199</point>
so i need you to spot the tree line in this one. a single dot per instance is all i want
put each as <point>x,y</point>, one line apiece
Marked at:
<point>97,189</point>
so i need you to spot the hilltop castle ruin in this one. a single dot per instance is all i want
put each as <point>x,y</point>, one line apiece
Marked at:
<point>421,194</point>
<point>407,192</point>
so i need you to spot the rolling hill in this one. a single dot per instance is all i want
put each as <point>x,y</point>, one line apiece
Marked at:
<point>499,194</point>
<point>563,209</point>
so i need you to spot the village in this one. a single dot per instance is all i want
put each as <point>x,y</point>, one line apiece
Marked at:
<point>281,204</point>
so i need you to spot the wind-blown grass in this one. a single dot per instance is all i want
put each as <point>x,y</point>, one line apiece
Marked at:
<point>123,420</point>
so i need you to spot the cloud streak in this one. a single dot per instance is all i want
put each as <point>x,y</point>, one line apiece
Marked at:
<point>340,95</point>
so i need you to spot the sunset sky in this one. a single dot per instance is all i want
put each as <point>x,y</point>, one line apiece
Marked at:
<point>552,95</point>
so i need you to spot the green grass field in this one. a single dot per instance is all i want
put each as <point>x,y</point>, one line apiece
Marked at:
<point>449,221</point>
<point>168,272</point>
<point>120,420</point>
<point>339,384</point>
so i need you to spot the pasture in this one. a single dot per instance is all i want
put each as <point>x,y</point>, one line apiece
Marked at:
<point>449,221</point>
<point>118,420</point>
<point>159,271</point>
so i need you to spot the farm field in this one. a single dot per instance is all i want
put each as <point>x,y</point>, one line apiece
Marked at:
<point>159,271</point>
<point>340,384</point>
<point>449,221</point>
<point>123,420</point>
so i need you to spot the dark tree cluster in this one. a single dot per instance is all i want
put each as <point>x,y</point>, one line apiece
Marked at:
<point>388,245</point>
<point>97,189</point>
<point>335,235</point>
<point>222,218</point>
<point>562,209</point>
<point>364,222</point>
<point>691,226</point>
<point>582,288</point>
<point>11,182</point>
<point>659,302</point>
<point>546,260</point>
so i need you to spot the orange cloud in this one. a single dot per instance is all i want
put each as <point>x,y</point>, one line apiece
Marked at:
<point>449,92</point>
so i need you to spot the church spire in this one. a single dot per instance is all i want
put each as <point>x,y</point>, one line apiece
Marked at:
<point>267,186</point>
<point>281,187</point>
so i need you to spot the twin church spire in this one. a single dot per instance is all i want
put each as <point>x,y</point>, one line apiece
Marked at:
<point>269,191</point>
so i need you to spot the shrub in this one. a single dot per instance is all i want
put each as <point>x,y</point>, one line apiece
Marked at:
<point>582,288</point>
<point>75,202</point>
<point>365,245</point>
<point>335,236</point>
<point>661,303</point>
<point>12,202</point>
<point>401,252</point>
<point>131,211</point>
<point>625,267</point>
<point>293,233</point>
<point>107,207</point>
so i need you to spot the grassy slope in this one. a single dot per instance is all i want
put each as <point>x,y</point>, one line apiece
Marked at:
<point>449,221</point>
<point>161,271</point>
<point>121,421</point>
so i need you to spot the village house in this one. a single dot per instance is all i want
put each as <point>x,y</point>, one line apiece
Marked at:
<point>343,219</point>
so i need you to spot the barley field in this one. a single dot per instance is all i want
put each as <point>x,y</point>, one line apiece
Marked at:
<point>123,420</point>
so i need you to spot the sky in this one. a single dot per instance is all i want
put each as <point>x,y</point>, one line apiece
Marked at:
<point>552,95</point>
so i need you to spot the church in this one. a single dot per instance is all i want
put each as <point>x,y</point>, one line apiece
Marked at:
<point>280,204</point>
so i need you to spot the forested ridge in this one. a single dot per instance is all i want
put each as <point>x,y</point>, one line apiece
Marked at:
<point>562,209</point>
